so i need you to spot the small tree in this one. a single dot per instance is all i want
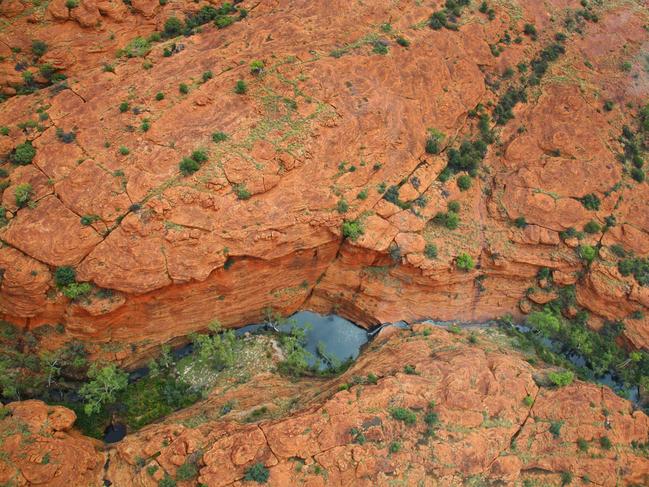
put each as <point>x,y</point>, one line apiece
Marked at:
<point>464,262</point>
<point>435,137</point>
<point>23,154</point>
<point>464,182</point>
<point>256,67</point>
<point>561,379</point>
<point>352,229</point>
<point>173,27</point>
<point>39,47</point>
<point>219,349</point>
<point>430,251</point>
<point>257,472</point>
<point>105,383</point>
<point>64,276</point>
<point>219,137</point>
<point>240,87</point>
<point>189,166</point>
<point>587,252</point>
<point>23,194</point>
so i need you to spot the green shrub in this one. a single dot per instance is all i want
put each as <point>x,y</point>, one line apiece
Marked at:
<point>200,156</point>
<point>430,251</point>
<point>138,47</point>
<point>352,229</point>
<point>404,414</point>
<point>145,125</point>
<point>189,166</point>
<point>503,112</point>
<point>70,4</point>
<point>402,41</point>
<point>431,418</point>
<point>437,20</point>
<point>39,48</point>
<point>240,88</point>
<point>453,206</point>
<point>409,369</point>
<point>159,96</point>
<point>87,220</point>
<point>433,141</point>
<point>207,75</point>
<point>23,194</point>
<point>219,137</point>
<point>582,444</point>
<point>76,290</point>
<point>394,447</point>
<point>592,227</point>
<point>555,428</point>
<point>4,130</point>
<point>124,150</point>
<point>528,401</point>
<point>65,137</point>
<point>464,262</point>
<point>380,47</point>
<point>605,443</point>
<point>224,21</point>
<point>242,192</point>
<point>450,220</point>
<point>257,472</point>
<point>520,222</point>
<point>464,182</point>
<point>342,206</point>
<point>561,379</point>
<point>173,27</point>
<point>636,266</point>
<point>24,154</point>
<point>64,276</point>
<point>183,88</point>
<point>256,67</point>
<point>566,478</point>
<point>362,194</point>
<point>530,30</point>
<point>590,202</point>
<point>587,252</point>
<point>637,174</point>
<point>167,481</point>
<point>186,471</point>
<point>123,107</point>
<point>608,105</point>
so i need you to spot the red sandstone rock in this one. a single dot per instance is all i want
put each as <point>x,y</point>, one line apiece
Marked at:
<point>288,136</point>
<point>39,449</point>
<point>484,427</point>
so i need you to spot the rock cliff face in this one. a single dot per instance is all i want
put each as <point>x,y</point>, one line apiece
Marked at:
<point>332,129</point>
<point>422,408</point>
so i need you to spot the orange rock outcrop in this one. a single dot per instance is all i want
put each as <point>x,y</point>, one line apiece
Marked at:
<point>259,224</point>
<point>478,414</point>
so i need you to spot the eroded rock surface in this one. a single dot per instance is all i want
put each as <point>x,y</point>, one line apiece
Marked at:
<point>477,411</point>
<point>319,136</point>
<point>39,447</point>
